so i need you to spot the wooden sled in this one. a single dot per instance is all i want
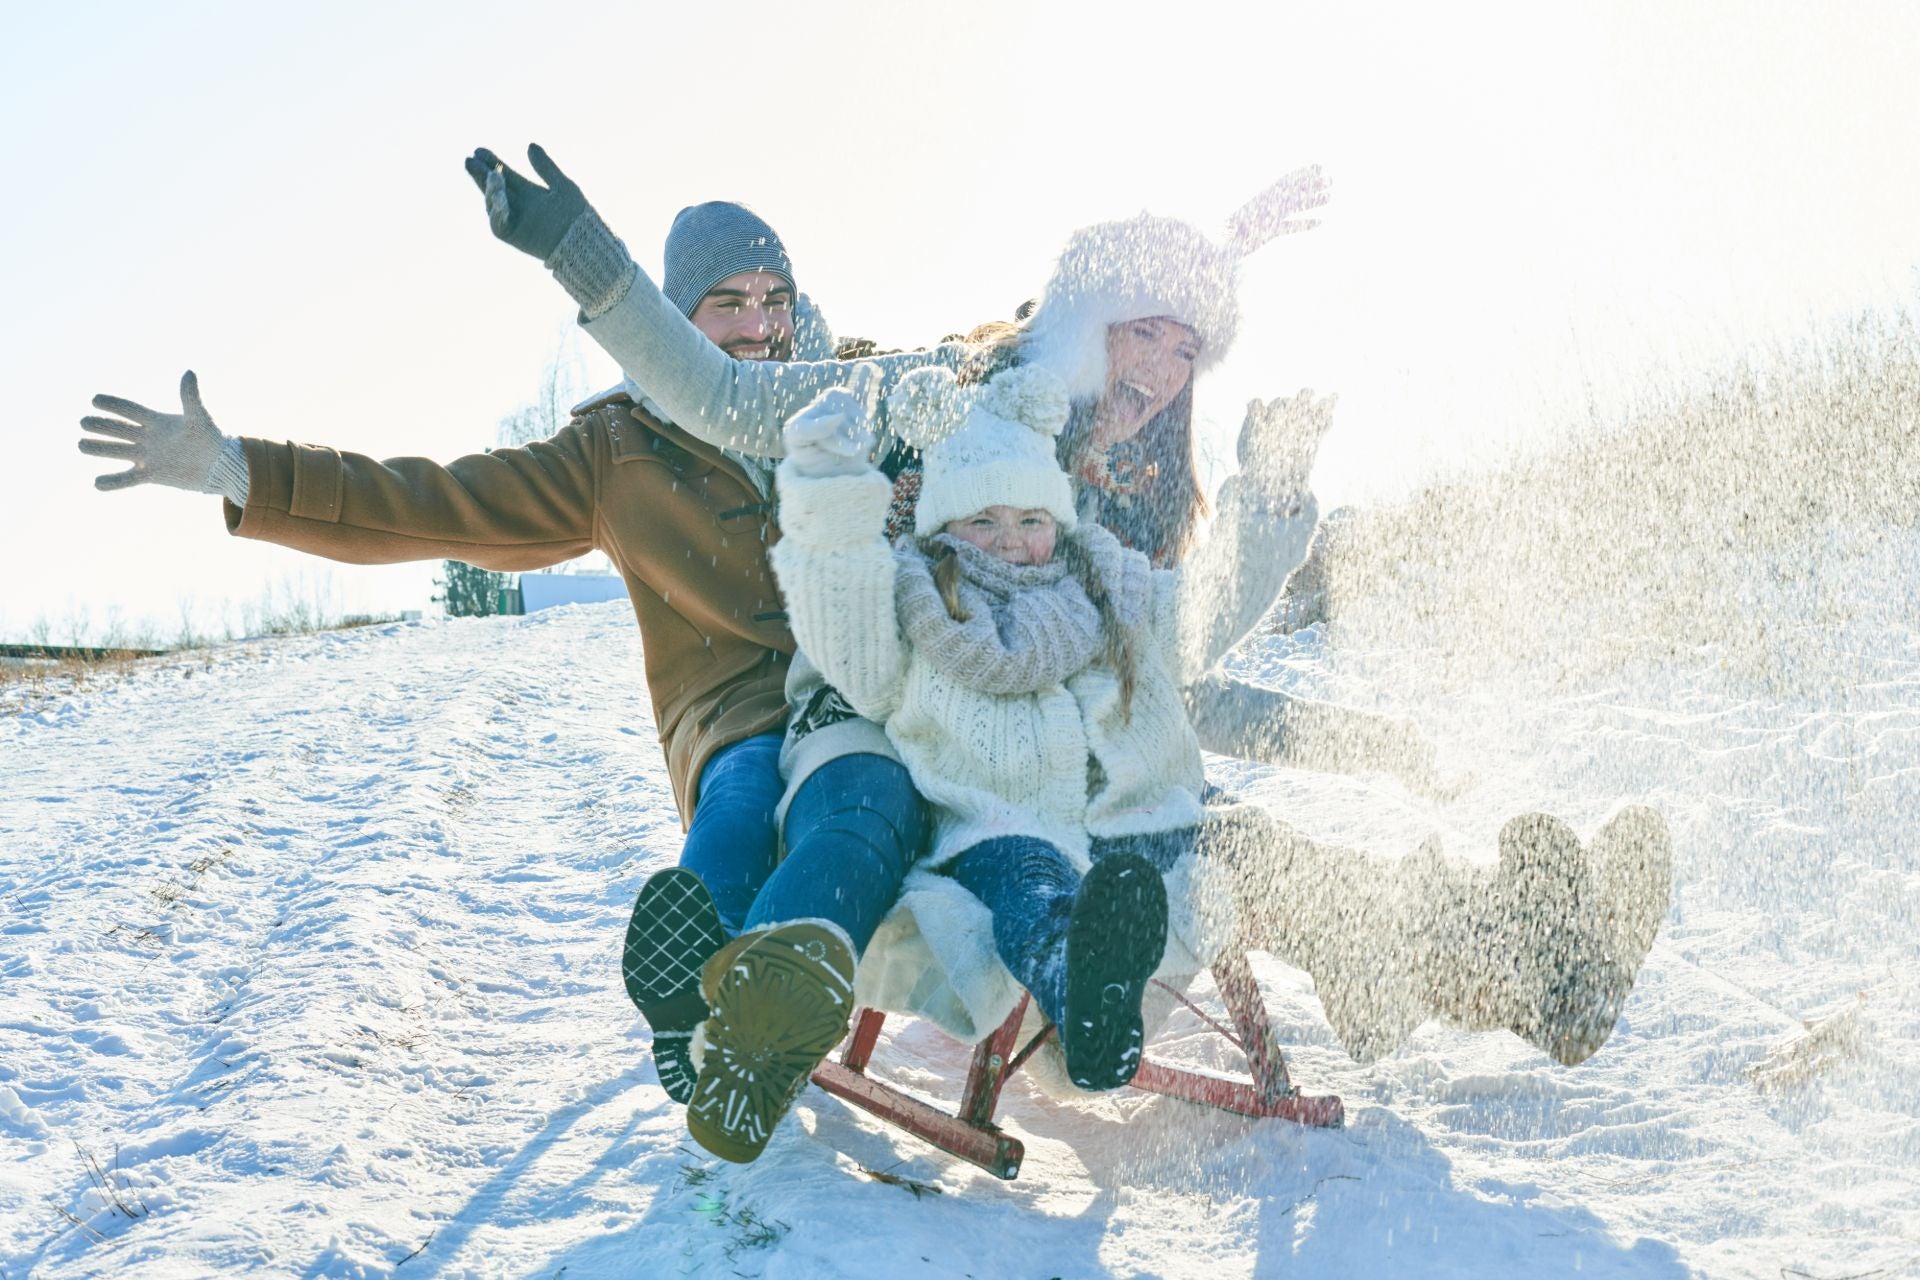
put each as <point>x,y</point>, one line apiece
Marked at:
<point>970,1132</point>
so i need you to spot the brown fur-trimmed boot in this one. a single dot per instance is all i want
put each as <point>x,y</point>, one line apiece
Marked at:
<point>1547,943</point>
<point>781,1000</point>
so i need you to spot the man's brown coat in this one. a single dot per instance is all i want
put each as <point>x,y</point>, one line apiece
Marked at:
<point>679,520</point>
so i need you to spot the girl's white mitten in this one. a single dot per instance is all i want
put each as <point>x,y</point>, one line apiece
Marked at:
<point>833,436</point>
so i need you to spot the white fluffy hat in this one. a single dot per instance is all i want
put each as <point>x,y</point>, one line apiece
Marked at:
<point>1145,266</point>
<point>984,446</point>
<point>1117,271</point>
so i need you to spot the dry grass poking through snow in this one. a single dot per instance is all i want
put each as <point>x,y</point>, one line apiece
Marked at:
<point>1680,527</point>
<point>1823,1046</point>
<point>29,686</point>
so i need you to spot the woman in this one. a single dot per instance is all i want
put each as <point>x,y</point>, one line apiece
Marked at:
<point>1545,942</point>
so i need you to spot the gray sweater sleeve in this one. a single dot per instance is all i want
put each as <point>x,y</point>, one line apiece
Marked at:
<point>734,404</point>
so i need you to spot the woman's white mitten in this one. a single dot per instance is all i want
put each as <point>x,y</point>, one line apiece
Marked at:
<point>1279,440</point>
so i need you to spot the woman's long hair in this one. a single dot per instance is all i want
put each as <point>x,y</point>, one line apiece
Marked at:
<point>1161,516</point>
<point>1117,650</point>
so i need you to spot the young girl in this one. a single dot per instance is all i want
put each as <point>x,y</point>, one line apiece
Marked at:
<point>1027,668</point>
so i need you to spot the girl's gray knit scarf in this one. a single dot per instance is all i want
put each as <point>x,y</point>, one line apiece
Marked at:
<point>1123,574</point>
<point>1028,627</point>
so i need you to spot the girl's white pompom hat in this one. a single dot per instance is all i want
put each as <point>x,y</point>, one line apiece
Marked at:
<point>984,446</point>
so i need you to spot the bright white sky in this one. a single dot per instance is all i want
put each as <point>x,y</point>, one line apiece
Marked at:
<point>1524,201</point>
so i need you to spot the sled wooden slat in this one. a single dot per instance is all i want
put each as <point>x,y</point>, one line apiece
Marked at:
<point>1238,1096</point>
<point>866,1032</point>
<point>970,1133</point>
<point>1241,992</point>
<point>988,1073</point>
<point>982,1145</point>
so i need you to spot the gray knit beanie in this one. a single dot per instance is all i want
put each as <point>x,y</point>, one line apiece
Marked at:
<point>712,241</point>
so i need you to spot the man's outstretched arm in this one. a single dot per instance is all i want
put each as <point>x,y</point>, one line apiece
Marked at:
<point>510,510</point>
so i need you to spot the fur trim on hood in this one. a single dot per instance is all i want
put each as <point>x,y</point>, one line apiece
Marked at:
<point>1147,266</point>
<point>1128,270</point>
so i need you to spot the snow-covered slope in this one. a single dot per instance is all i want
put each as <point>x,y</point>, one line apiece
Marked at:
<point>308,967</point>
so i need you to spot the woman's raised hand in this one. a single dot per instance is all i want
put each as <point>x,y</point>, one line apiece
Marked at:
<point>1274,212</point>
<point>833,436</point>
<point>1279,440</point>
<point>526,215</point>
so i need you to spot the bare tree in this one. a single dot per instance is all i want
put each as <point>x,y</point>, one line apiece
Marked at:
<point>563,384</point>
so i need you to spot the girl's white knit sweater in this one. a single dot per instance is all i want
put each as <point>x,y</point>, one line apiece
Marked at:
<point>1023,764</point>
<point>1064,763</point>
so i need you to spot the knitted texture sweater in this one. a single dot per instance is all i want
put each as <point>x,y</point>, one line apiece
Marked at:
<point>735,404</point>
<point>1062,763</point>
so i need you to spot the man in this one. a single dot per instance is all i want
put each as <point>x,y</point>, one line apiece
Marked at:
<point>686,524</point>
<point>775,1000</point>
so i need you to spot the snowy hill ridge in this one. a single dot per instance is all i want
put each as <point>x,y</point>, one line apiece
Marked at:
<point>308,967</point>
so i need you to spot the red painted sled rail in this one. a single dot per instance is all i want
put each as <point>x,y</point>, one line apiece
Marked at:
<point>970,1132</point>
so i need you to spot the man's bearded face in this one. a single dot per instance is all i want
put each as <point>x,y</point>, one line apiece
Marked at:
<point>749,316</point>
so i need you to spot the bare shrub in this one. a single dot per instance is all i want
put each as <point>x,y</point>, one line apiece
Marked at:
<point>1657,534</point>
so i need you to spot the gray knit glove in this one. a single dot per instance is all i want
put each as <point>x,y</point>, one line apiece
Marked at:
<point>833,436</point>
<point>1279,441</point>
<point>183,450</point>
<point>555,224</point>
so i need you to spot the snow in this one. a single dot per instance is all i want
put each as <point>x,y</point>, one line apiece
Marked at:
<point>309,953</point>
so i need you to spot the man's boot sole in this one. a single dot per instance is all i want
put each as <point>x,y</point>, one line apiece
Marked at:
<point>779,1007</point>
<point>673,932</point>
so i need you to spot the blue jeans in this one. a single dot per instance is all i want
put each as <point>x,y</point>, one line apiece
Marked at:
<point>732,842</point>
<point>1029,886</point>
<point>853,830</point>
<point>1161,848</point>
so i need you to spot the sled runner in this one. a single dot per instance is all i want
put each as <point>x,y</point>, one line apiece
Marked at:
<point>970,1133</point>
